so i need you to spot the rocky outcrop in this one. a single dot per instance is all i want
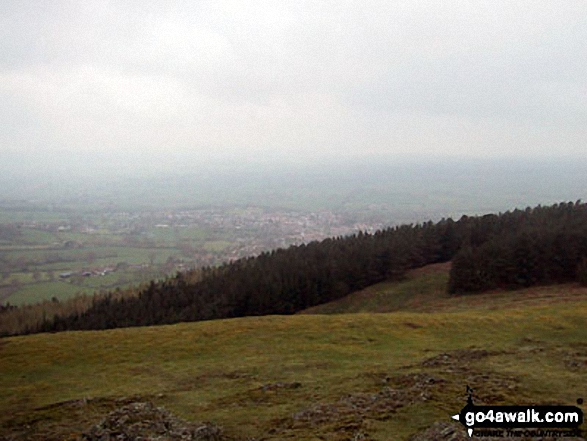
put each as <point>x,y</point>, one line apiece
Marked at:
<point>142,421</point>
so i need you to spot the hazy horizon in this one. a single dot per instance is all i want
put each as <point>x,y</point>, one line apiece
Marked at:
<point>477,105</point>
<point>388,190</point>
<point>291,81</point>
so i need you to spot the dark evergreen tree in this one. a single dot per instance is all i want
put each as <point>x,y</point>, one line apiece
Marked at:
<point>518,248</point>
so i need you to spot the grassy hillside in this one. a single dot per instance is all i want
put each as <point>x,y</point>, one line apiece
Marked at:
<point>424,290</point>
<point>420,288</point>
<point>334,377</point>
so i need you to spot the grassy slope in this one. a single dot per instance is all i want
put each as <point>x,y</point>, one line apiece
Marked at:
<point>216,370</point>
<point>420,288</point>
<point>424,290</point>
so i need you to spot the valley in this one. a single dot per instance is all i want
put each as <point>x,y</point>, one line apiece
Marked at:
<point>57,254</point>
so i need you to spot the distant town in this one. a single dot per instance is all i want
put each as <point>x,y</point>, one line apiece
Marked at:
<point>57,254</point>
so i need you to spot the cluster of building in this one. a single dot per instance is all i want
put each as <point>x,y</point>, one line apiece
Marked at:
<point>94,272</point>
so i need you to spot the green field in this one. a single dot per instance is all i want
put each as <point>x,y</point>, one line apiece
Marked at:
<point>376,376</point>
<point>44,253</point>
<point>38,292</point>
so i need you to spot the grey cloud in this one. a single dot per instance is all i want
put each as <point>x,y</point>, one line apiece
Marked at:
<point>454,77</point>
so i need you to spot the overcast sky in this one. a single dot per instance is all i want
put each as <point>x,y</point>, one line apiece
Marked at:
<point>294,78</point>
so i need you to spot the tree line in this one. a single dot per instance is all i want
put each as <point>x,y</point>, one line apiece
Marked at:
<point>517,248</point>
<point>539,246</point>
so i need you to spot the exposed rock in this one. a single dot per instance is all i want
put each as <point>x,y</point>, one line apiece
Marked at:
<point>353,408</point>
<point>142,421</point>
<point>279,385</point>
<point>458,357</point>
